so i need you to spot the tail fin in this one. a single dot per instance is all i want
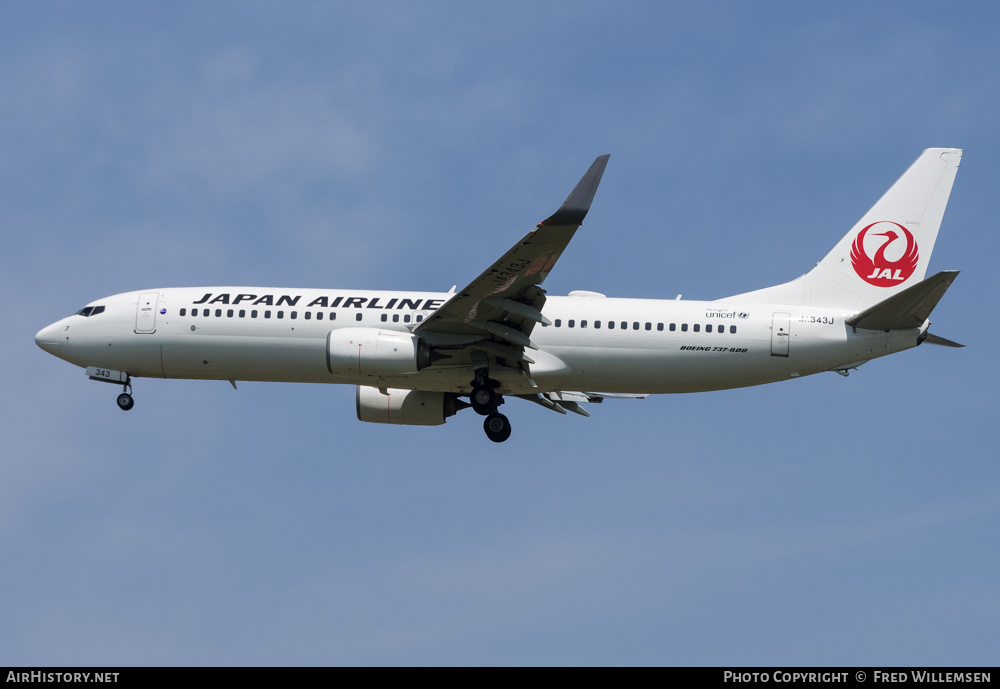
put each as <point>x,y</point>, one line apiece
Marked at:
<point>887,251</point>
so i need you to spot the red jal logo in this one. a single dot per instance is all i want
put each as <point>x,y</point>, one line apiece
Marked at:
<point>879,270</point>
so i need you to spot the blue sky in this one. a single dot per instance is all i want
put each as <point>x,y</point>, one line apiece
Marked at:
<point>406,146</point>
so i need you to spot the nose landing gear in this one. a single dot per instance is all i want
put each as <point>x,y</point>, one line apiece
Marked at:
<point>125,401</point>
<point>107,375</point>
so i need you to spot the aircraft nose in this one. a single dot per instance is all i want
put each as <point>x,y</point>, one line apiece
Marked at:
<point>48,338</point>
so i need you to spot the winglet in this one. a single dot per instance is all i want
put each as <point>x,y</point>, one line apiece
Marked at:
<point>576,205</point>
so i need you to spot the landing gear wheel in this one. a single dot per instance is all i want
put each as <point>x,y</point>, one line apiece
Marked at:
<point>484,400</point>
<point>125,401</point>
<point>497,427</point>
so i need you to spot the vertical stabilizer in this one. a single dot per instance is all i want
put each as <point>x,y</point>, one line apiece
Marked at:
<point>887,251</point>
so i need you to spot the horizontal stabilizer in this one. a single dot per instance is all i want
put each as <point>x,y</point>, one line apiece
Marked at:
<point>934,339</point>
<point>906,309</point>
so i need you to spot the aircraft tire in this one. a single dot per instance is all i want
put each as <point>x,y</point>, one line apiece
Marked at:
<point>497,427</point>
<point>125,401</point>
<point>484,400</point>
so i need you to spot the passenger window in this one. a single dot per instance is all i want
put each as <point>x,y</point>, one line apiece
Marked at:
<point>294,315</point>
<point>267,314</point>
<point>395,318</point>
<point>218,313</point>
<point>319,315</point>
<point>649,326</point>
<point>419,318</point>
<point>571,323</point>
<point>684,327</point>
<point>229,313</point>
<point>635,325</point>
<point>597,324</point>
<point>708,328</point>
<point>183,311</point>
<point>611,325</point>
<point>659,326</point>
<point>253,313</point>
<point>406,318</point>
<point>308,315</point>
<point>558,322</point>
<point>385,318</point>
<point>624,325</point>
<point>697,327</point>
<point>333,315</point>
<point>281,314</point>
<point>732,329</point>
<point>357,316</point>
<point>243,313</point>
<point>673,327</point>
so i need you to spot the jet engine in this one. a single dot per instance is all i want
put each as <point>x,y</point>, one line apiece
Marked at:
<point>375,353</point>
<point>409,407</point>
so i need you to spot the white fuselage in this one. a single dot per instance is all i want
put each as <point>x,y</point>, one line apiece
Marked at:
<point>636,346</point>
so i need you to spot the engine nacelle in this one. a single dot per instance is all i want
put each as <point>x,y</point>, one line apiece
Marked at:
<point>374,353</point>
<point>409,407</point>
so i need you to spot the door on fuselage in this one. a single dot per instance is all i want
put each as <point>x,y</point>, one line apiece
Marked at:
<point>145,313</point>
<point>780,330</point>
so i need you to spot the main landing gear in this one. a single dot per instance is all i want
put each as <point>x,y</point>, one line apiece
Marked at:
<point>497,427</point>
<point>485,400</point>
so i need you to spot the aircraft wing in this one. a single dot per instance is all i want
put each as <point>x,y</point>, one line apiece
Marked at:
<point>564,401</point>
<point>504,303</point>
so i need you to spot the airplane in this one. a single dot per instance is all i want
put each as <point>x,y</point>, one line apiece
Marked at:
<point>416,357</point>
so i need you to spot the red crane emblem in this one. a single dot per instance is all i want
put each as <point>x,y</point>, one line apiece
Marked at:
<point>879,270</point>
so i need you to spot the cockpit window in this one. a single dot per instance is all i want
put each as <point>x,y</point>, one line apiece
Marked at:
<point>88,311</point>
